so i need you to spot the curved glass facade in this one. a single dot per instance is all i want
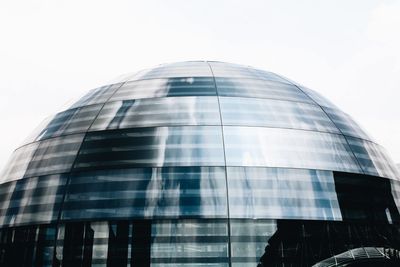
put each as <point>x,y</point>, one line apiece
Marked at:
<point>198,164</point>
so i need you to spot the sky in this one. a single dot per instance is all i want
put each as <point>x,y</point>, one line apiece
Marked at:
<point>53,51</point>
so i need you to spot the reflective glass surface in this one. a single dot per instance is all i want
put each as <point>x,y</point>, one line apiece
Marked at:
<point>55,155</point>
<point>274,113</point>
<point>70,121</point>
<point>282,193</point>
<point>346,124</point>
<point>158,112</point>
<point>97,96</point>
<point>18,163</point>
<point>239,87</point>
<point>317,97</point>
<point>373,158</point>
<point>147,192</point>
<point>198,164</point>
<point>35,199</point>
<point>239,71</point>
<point>270,147</point>
<point>161,146</point>
<point>185,86</point>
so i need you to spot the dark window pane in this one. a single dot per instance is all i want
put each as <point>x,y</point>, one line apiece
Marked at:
<point>147,192</point>
<point>161,146</point>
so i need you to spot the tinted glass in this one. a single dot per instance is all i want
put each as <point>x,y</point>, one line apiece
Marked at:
<point>32,200</point>
<point>55,155</point>
<point>373,158</point>
<point>70,121</point>
<point>158,112</point>
<point>346,124</point>
<point>161,146</point>
<point>177,191</point>
<point>260,89</point>
<point>18,163</point>
<point>97,96</point>
<point>274,113</point>
<point>185,86</point>
<point>270,147</point>
<point>317,97</point>
<point>282,194</point>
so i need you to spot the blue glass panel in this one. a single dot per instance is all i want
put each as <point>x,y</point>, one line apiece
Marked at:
<point>147,192</point>
<point>31,200</point>
<point>373,158</point>
<point>161,146</point>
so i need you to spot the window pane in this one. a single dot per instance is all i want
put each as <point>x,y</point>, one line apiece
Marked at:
<point>158,112</point>
<point>31,200</point>
<point>260,89</point>
<point>68,122</point>
<point>221,69</point>
<point>147,192</point>
<point>97,96</point>
<point>282,194</point>
<point>346,124</point>
<point>189,243</point>
<point>373,158</point>
<point>55,155</point>
<point>185,86</point>
<point>249,239</point>
<point>270,147</point>
<point>274,113</point>
<point>161,146</point>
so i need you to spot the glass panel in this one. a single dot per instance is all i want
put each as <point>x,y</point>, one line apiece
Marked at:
<point>317,97</point>
<point>270,147</point>
<point>31,200</point>
<point>373,158</point>
<point>221,69</point>
<point>189,243</point>
<point>366,198</point>
<point>249,239</point>
<point>274,113</point>
<point>54,155</point>
<point>97,96</point>
<point>185,86</point>
<point>346,124</point>
<point>147,192</point>
<point>260,89</point>
<point>161,146</point>
<point>179,69</point>
<point>158,112</point>
<point>18,163</point>
<point>282,193</point>
<point>67,122</point>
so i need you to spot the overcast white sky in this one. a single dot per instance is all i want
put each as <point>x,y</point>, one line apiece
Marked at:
<point>52,51</point>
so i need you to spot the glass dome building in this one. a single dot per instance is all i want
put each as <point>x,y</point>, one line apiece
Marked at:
<point>200,164</point>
